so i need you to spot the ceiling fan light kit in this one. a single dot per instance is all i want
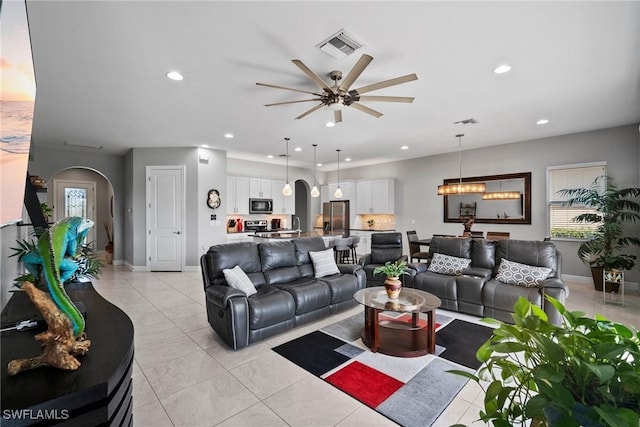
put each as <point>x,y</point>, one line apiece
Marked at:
<point>340,95</point>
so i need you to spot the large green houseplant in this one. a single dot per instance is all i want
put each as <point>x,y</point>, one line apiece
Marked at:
<point>605,247</point>
<point>584,372</point>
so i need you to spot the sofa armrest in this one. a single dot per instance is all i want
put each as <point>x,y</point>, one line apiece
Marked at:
<point>349,268</point>
<point>219,295</point>
<point>478,272</point>
<point>557,289</point>
<point>419,267</point>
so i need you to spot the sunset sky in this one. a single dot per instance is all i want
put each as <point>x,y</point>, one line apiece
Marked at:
<point>17,82</point>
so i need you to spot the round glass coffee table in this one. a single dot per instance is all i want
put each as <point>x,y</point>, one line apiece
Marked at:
<point>402,332</point>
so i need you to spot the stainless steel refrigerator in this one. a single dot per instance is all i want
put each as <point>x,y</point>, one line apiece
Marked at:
<point>335,217</point>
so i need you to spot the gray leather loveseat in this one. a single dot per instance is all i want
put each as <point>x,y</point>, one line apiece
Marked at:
<point>287,292</point>
<point>478,290</point>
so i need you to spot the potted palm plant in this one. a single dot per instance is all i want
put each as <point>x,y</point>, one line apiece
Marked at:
<point>393,271</point>
<point>583,372</point>
<point>604,248</point>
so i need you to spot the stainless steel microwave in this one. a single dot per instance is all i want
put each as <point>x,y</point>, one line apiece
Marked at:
<point>260,206</point>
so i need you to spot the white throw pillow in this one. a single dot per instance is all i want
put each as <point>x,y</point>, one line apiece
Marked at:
<point>514,273</point>
<point>324,264</point>
<point>447,264</point>
<point>238,279</point>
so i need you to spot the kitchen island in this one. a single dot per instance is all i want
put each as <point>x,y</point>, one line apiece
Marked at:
<point>272,236</point>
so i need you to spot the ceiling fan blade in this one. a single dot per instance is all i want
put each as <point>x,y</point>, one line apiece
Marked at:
<point>287,88</point>
<point>355,72</point>
<point>387,83</point>
<point>317,107</point>
<point>313,76</point>
<point>407,99</point>
<point>367,110</point>
<point>291,102</point>
<point>337,116</point>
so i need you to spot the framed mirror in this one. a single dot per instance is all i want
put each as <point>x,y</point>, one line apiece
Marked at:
<point>516,209</point>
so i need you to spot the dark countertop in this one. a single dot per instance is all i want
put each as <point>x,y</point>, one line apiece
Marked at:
<point>374,230</point>
<point>294,234</point>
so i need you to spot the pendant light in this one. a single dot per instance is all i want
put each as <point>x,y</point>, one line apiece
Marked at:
<point>461,188</point>
<point>286,190</point>
<point>314,190</point>
<point>501,195</point>
<point>338,193</point>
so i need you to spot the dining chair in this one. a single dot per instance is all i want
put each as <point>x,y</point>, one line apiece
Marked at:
<point>414,247</point>
<point>498,235</point>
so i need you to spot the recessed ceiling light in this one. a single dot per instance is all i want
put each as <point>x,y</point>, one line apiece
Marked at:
<point>348,159</point>
<point>542,122</point>
<point>174,75</point>
<point>404,147</point>
<point>228,135</point>
<point>270,156</point>
<point>204,146</point>
<point>330,124</point>
<point>297,149</point>
<point>501,69</point>
<point>319,164</point>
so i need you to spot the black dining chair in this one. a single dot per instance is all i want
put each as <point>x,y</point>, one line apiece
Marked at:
<point>414,247</point>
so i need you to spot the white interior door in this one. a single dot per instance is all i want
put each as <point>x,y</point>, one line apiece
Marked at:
<point>165,207</point>
<point>75,198</point>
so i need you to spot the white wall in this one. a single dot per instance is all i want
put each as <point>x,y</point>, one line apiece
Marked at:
<point>417,180</point>
<point>211,174</point>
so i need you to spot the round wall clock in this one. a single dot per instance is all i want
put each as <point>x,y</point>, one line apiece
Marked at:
<point>213,199</point>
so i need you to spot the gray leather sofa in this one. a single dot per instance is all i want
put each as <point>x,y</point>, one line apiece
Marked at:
<point>477,291</point>
<point>287,295</point>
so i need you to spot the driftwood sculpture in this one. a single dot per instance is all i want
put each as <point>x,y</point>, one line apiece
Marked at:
<point>54,262</point>
<point>59,344</point>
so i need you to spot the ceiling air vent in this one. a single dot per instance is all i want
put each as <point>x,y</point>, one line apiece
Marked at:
<point>470,121</point>
<point>340,44</point>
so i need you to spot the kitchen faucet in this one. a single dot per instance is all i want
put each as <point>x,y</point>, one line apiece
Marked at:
<point>297,229</point>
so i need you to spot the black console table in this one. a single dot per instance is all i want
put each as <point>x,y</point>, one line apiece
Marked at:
<point>97,394</point>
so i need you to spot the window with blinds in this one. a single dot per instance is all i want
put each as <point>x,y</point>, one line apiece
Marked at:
<point>561,224</point>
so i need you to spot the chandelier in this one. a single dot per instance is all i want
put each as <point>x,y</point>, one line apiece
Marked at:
<point>461,187</point>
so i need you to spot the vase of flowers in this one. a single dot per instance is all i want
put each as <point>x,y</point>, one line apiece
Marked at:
<point>393,271</point>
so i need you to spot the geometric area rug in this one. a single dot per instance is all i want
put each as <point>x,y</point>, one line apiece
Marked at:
<point>410,391</point>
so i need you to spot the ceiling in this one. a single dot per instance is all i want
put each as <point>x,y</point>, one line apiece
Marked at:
<point>101,74</point>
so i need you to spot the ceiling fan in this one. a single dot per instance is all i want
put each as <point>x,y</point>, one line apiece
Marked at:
<point>338,96</point>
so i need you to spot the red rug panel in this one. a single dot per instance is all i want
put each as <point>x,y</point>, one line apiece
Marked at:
<point>366,384</point>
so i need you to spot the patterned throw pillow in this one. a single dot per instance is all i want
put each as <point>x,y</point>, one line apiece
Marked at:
<point>323,263</point>
<point>447,264</point>
<point>238,279</point>
<point>514,273</point>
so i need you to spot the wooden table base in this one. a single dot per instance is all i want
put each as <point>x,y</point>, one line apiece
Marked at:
<point>398,338</point>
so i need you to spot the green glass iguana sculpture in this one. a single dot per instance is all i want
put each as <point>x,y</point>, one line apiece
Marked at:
<point>57,246</point>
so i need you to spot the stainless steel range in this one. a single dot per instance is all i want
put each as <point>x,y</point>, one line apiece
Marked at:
<point>255,225</point>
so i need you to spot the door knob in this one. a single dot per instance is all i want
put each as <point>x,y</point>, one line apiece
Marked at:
<point>176,232</point>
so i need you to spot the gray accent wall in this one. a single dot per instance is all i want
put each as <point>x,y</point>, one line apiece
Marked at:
<point>212,174</point>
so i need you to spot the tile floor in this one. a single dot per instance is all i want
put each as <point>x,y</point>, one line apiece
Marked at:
<point>185,376</point>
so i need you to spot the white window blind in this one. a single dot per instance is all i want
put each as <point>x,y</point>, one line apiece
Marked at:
<point>561,224</point>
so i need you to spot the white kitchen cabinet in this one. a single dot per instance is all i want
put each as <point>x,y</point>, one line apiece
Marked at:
<point>347,188</point>
<point>324,194</point>
<point>282,204</point>
<point>260,188</point>
<point>237,195</point>
<point>375,196</point>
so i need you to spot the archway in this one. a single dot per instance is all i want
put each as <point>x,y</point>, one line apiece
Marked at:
<point>103,214</point>
<point>303,205</point>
